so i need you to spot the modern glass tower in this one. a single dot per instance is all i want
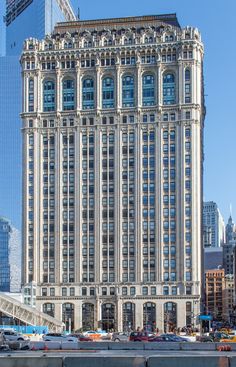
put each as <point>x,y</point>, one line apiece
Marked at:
<point>33,18</point>
<point>112,122</point>
<point>5,230</point>
<point>10,257</point>
<point>23,19</point>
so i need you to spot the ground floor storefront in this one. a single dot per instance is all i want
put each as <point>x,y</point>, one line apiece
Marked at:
<point>123,313</point>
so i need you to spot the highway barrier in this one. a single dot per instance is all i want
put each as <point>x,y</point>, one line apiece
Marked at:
<point>45,360</point>
<point>121,361</point>
<point>19,361</point>
<point>188,361</point>
<point>54,345</point>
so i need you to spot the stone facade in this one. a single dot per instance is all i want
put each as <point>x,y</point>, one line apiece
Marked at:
<point>113,115</point>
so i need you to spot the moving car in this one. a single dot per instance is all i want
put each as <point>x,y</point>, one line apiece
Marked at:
<point>138,336</point>
<point>218,335</point>
<point>120,337</point>
<point>80,337</point>
<point>92,334</point>
<point>105,335</point>
<point>167,338</point>
<point>231,340</point>
<point>12,335</point>
<point>204,339</point>
<point>157,338</point>
<point>53,337</point>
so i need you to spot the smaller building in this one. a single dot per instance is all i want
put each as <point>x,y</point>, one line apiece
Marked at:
<point>229,258</point>
<point>228,299</point>
<point>213,258</point>
<point>230,230</point>
<point>215,288</point>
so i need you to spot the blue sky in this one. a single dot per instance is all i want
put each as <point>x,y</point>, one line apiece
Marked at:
<point>216,21</point>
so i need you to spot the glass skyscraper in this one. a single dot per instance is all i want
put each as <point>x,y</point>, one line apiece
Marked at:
<point>10,257</point>
<point>33,18</point>
<point>23,19</point>
<point>5,231</point>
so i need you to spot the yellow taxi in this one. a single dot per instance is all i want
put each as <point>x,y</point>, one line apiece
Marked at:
<point>231,340</point>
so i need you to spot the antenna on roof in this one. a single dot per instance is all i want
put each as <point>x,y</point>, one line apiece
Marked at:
<point>78,16</point>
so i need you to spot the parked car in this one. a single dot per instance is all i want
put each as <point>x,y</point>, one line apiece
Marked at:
<point>120,337</point>
<point>52,337</point>
<point>80,337</point>
<point>13,335</point>
<point>137,336</point>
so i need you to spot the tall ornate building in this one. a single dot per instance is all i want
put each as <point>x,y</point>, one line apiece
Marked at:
<point>113,116</point>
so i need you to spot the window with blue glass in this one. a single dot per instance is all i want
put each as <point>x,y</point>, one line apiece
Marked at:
<point>148,90</point>
<point>31,96</point>
<point>68,95</point>
<point>187,86</point>
<point>48,96</point>
<point>128,91</point>
<point>108,93</point>
<point>169,89</point>
<point>88,94</point>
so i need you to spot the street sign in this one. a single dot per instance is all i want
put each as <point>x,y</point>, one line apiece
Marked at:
<point>205,317</point>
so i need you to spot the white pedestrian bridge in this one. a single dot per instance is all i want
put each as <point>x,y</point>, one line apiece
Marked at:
<point>29,315</point>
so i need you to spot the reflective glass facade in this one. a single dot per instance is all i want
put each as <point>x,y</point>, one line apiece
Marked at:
<point>34,18</point>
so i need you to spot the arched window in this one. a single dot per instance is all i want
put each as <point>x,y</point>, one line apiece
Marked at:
<point>128,316</point>
<point>149,316</point>
<point>170,316</point>
<point>108,93</point>
<point>88,94</point>
<point>88,316</point>
<point>68,316</point>
<point>169,89</point>
<point>31,95</point>
<point>188,313</point>
<point>108,316</point>
<point>49,309</point>
<point>187,86</point>
<point>128,91</point>
<point>68,95</point>
<point>48,96</point>
<point>148,90</point>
